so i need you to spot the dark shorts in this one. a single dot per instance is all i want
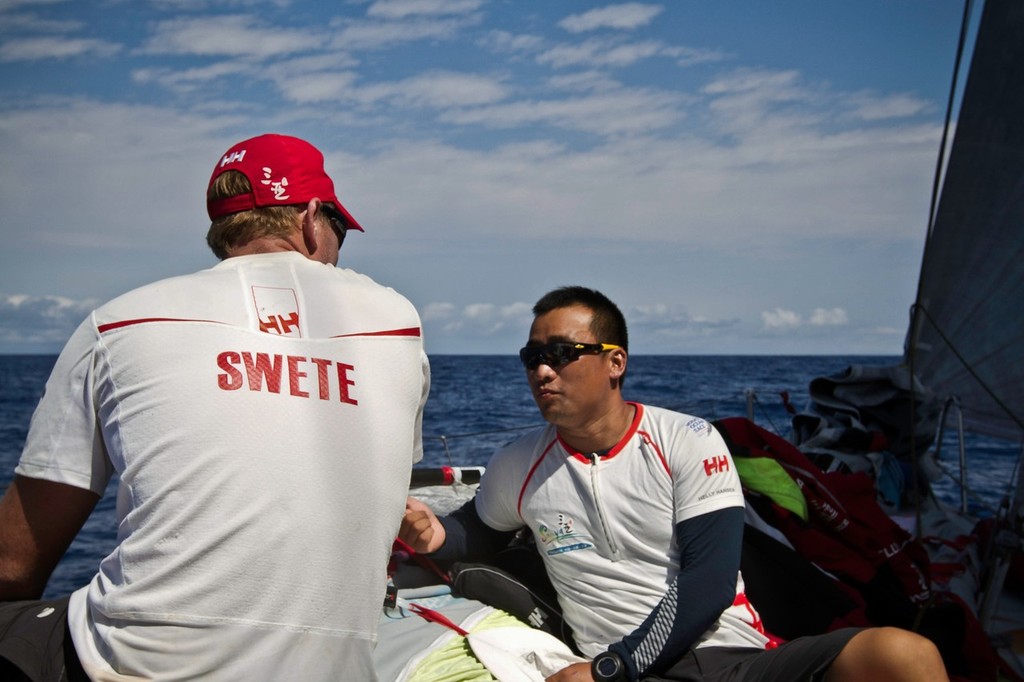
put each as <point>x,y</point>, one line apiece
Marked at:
<point>35,643</point>
<point>801,660</point>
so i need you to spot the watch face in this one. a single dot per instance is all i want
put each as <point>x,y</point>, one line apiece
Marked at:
<point>607,666</point>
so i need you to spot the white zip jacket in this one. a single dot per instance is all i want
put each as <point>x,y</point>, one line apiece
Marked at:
<point>604,524</point>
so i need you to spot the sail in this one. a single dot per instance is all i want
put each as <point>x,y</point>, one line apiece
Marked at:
<point>966,338</point>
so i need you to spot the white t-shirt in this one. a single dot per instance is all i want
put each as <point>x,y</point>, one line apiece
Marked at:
<point>263,417</point>
<point>605,525</point>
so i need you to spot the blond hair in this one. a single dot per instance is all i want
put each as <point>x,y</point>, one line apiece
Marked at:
<point>238,229</point>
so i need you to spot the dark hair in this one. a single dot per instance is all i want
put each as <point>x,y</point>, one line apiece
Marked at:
<point>607,323</point>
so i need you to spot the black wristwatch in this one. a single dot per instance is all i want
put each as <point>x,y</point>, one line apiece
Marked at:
<point>608,667</point>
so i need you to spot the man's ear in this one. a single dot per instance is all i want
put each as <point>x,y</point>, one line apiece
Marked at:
<point>308,226</point>
<point>619,359</point>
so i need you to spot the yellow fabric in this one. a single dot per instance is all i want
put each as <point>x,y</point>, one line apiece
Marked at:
<point>454,661</point>
<point>766,476</point>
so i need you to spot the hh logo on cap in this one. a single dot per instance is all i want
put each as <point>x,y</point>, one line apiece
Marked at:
<point>232,158</point>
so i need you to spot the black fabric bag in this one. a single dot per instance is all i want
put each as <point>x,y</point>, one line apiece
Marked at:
<point>517,584</point>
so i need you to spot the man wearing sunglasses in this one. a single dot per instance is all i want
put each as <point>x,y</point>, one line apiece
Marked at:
<point>263,417</point>
<point>638,515</point>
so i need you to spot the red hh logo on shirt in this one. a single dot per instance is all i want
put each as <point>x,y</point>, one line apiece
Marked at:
<point>278,311</point>
<point>716,465</point>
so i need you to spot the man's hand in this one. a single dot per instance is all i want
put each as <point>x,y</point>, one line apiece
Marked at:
<point>577,672</point>
<point>420,528</point>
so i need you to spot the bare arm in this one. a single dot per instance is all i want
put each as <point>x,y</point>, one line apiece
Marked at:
<point>458,536</point>
<point>38,521</point>
<point>577,672</point>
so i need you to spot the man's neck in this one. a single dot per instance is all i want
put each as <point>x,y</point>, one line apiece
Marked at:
<point>264,245</point>
<point>603,433</point>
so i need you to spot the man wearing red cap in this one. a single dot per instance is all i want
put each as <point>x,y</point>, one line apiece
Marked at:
<point>262,417</point>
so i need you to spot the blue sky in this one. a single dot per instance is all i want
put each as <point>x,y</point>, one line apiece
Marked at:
<point>741,177</point>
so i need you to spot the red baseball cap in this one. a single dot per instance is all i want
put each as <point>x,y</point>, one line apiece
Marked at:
<point>282,170</point>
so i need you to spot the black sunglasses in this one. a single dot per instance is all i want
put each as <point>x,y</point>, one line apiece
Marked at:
<point>335,220</point>
<point>558,353</point>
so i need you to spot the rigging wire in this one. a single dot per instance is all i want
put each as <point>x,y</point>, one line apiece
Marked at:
<point>1016,419</point>
<point>911,343</point>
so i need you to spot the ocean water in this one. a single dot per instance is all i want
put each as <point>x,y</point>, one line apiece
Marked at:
<point>479,403</point>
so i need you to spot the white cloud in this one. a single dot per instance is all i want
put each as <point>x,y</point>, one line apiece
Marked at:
<point>230,35</point>
<point>190,79</point>
<point>748,102</point>
<point>200,5</point>
<point>437,89</point>
<point>516,310</point>
<point>7,5</point>
<point>376,35</point>
<point>617,52</point>
<point>565,168</point>
<point>668,188</point>
<point>673,188</point>
<point>871,107</point>
<point>491,312</point>
<point>321,60</point>
<point>479,311</point>
<point>626,16</point>
<point>402,9</point>
<point>477,321</point>
<point>658,313</point>
<point>832,317</point>
<point>604,52</point>
<point>632,111</point>
<point>40,319</point>
<point>24,23</point>
<point>781,318</point>
<point>584,81</point>
<point>438,311</point>
<point>504,41</point>
<point>104,155</point>
<point>692,56</point>
<point>658,322</point>
<point>301,80</point>
<point>47,47</point>
<point>317,87</point>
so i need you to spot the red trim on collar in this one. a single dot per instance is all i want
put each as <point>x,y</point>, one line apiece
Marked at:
<point>617,448</point>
